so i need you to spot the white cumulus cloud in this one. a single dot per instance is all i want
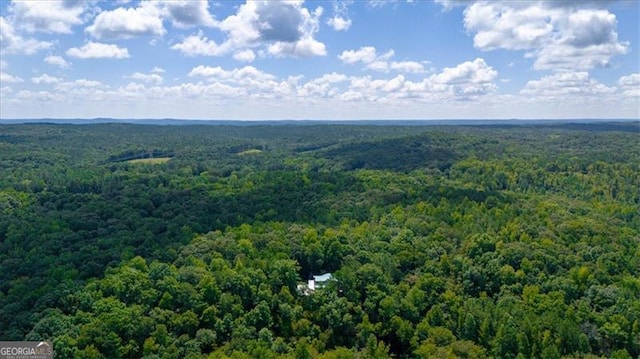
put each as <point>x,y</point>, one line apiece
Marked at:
<point>187,13</point>
<point>199,45</point>
<point>45,79</point>
<point>7,78</point>
<point>324,86</point>
<point>339,23</point>
<point>501,25</point>
<point>284,27</point>
<point>87,83</point>
<point>236,75</point>
<point>12,43</point>
<point>95,50</point>
<point>280,28</point>
<point>467,81</point>
<point>246,55</point>
<point>476,71</point>
<point>369,57</point>
<point>566,84</point>
<point>4,92</point>
<point>340,20</point>
<point>83,87</point>
<point>407,66</point>
<point>245,81</point>
<point>124,23</point>
<point>630,85</point>
<point>218,89</point>
<point>559,35</point>
<point>366,55</point>
<point>57,61</point>
<point>305,47</point>
<point>150,78</point>
<point>48,16</point>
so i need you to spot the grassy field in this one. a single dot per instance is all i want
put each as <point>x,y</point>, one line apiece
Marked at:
<point>250,152</point>
<point>153,161</point>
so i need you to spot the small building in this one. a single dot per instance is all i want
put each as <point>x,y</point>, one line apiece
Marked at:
<point>319,281</point>
<point>315,282</point>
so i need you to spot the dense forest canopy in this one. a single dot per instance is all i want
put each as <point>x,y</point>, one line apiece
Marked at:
<point>129,241</point>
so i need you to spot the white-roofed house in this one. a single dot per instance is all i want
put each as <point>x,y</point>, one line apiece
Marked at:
<point>315,282</point>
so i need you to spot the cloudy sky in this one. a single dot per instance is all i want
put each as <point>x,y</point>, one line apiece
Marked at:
<point>376,59</point>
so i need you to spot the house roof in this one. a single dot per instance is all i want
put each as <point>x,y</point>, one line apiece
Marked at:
<point>323,277</point>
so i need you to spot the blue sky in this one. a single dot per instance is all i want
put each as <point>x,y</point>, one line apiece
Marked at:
<point>377,59</point>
